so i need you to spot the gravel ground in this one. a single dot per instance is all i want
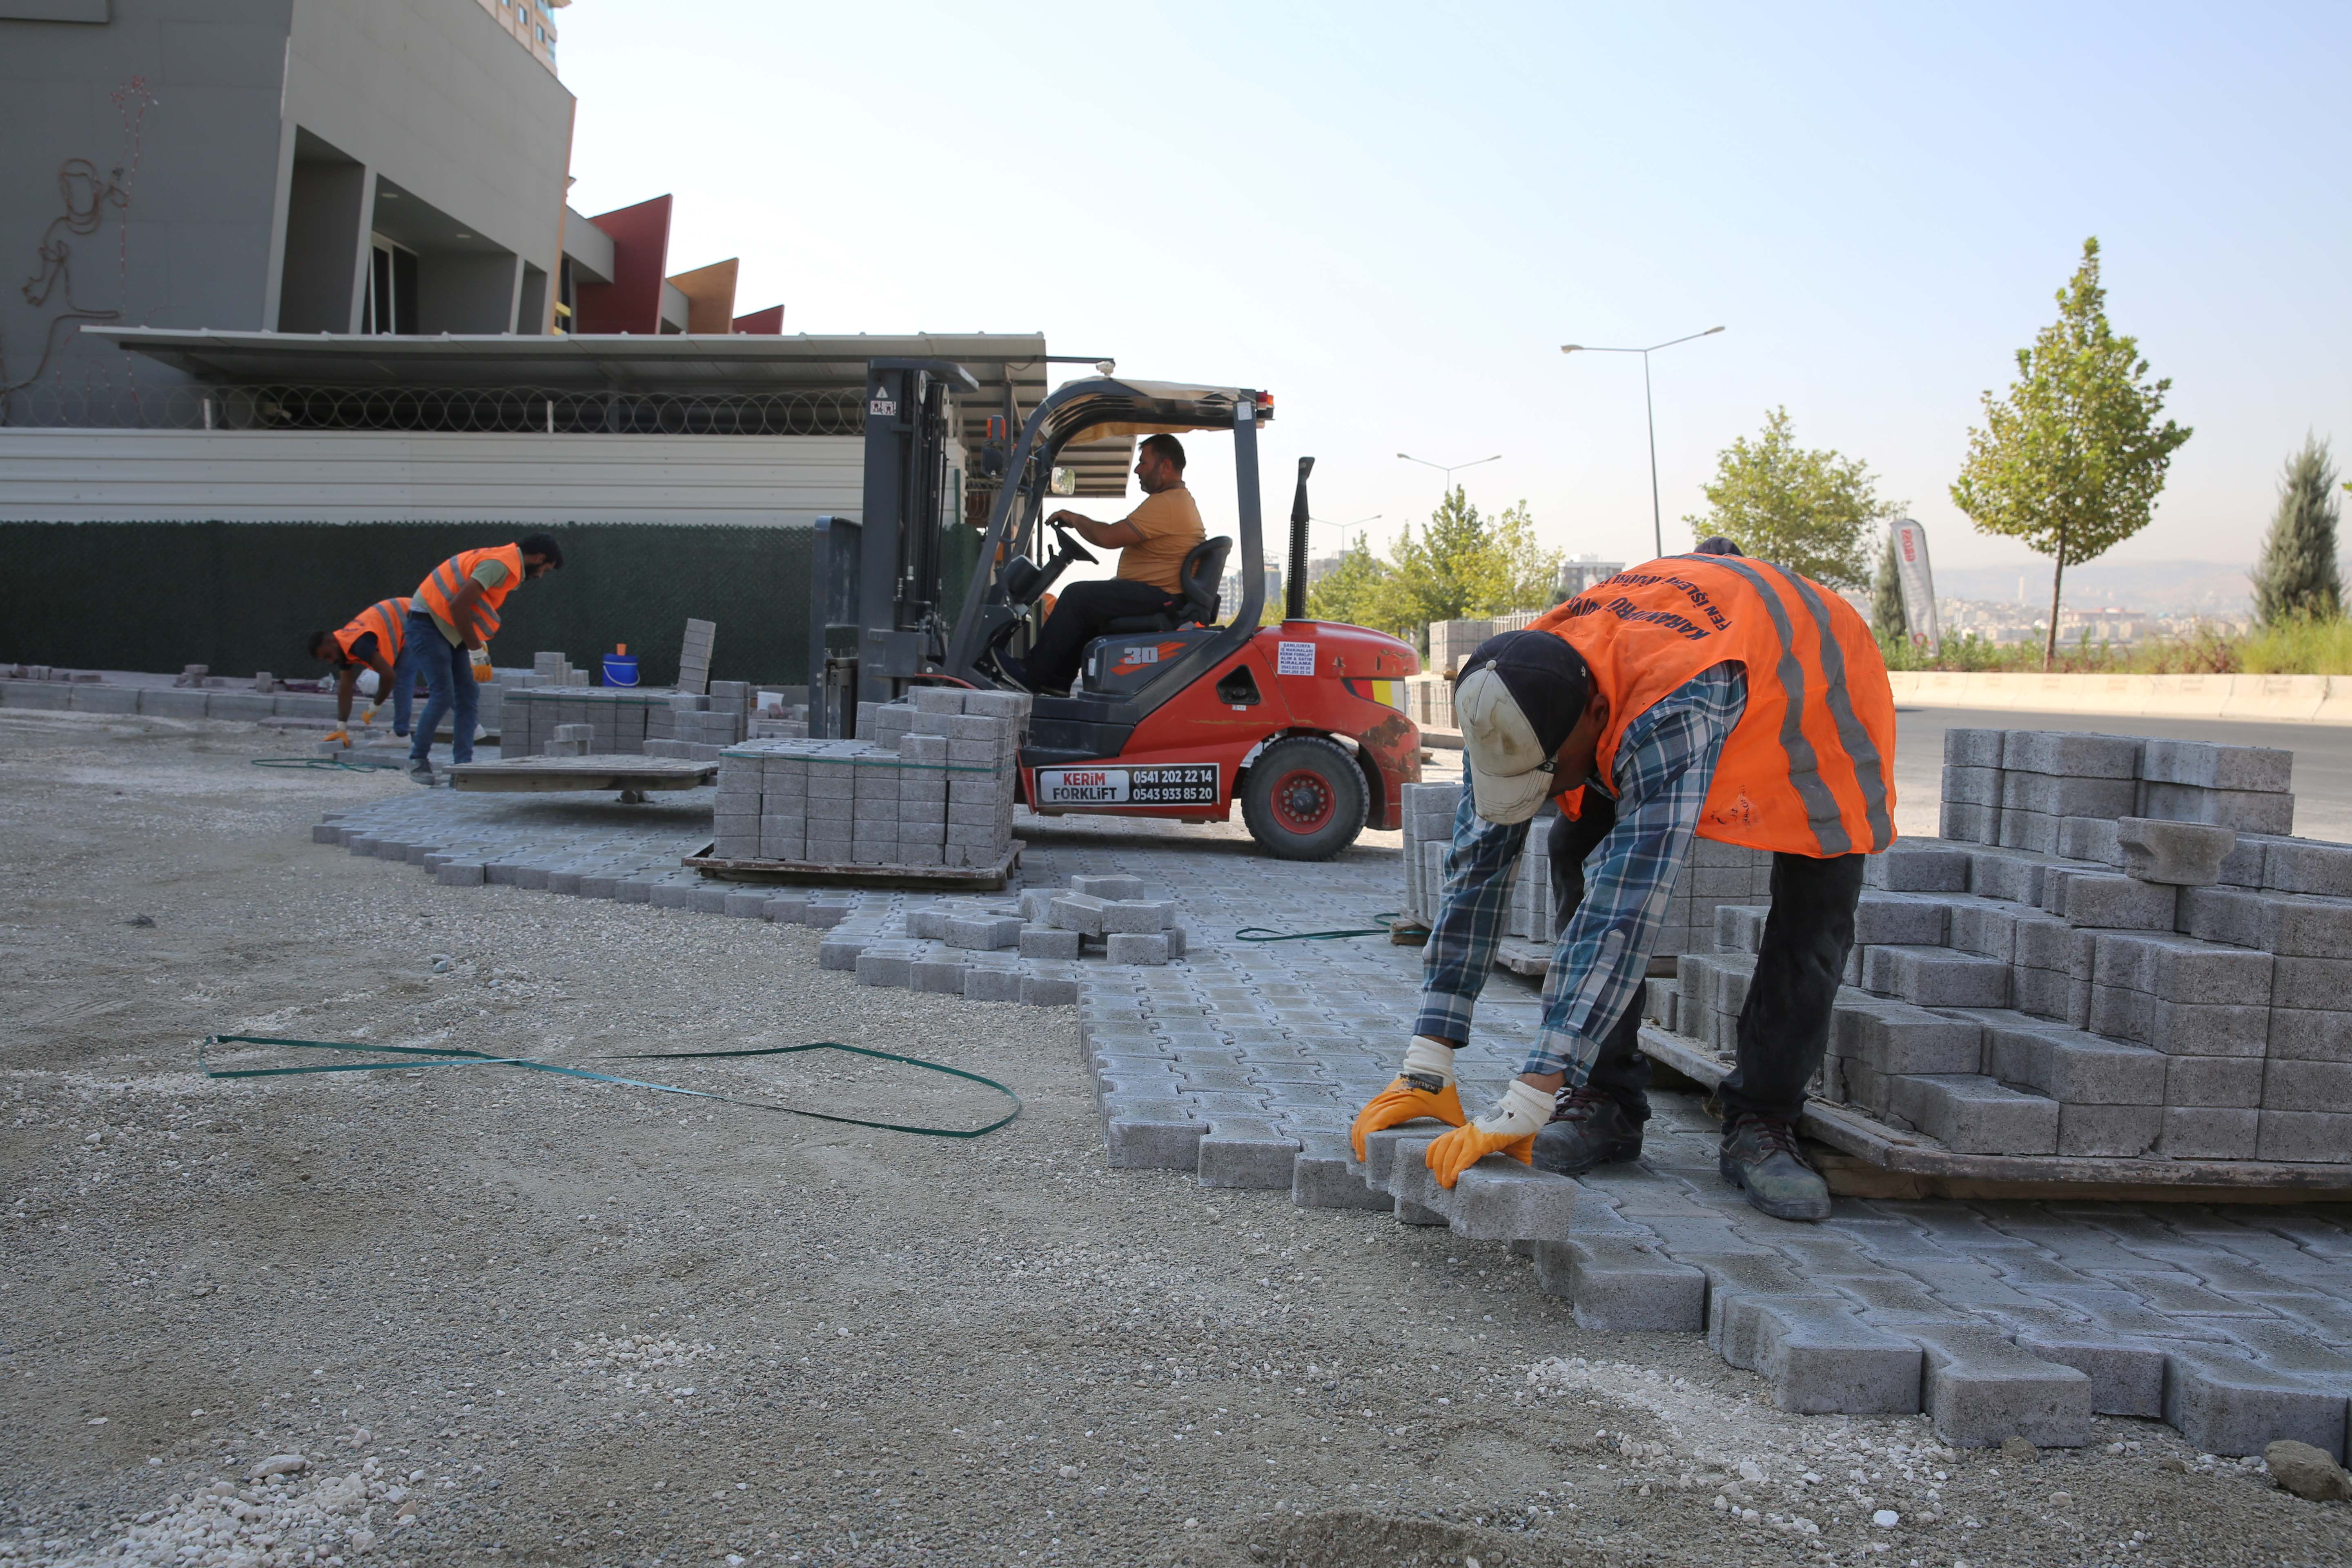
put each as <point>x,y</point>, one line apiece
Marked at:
<point>484,1314</point>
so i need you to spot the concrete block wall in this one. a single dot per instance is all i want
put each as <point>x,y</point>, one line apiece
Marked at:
<point>2072,978</point>
<point>932,786</point>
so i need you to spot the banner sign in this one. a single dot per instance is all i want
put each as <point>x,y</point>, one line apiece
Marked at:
<point>1918,582</point>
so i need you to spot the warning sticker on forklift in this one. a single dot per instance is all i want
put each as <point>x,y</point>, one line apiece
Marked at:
<point>1178,783</point>
<point>1295,658</point>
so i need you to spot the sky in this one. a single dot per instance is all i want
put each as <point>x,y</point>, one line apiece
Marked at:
<point>1393,216</point>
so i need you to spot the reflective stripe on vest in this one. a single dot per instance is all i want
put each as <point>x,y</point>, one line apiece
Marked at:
<point>387,619</point>
<point>438,593</point>
<point>1808,767</point>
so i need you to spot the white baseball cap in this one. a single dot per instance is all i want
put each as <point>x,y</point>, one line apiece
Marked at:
<point>1520,695</point>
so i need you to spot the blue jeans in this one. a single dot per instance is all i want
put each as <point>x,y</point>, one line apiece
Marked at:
<point>402,697</point>
<point>448,684</point>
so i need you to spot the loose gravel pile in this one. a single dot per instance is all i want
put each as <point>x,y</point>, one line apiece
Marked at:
<point>485,1315</point>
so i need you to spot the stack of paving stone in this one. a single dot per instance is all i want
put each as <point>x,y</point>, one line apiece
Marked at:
<point>551,670</point>
<point>1104,915</point>
<point>619,719</point>
<point>1714,875</point>
<point>2021,789</point>
<point>932,787</point>
<point>693,657</point>
<point>698,725</point>
<point>2170,987</point>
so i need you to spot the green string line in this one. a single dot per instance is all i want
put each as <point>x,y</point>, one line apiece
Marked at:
<point>1264,934</point>
<point>457,1057</point>
<point>322,763</point>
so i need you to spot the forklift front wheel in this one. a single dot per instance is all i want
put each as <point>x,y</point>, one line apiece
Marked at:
<point>1305,799</point>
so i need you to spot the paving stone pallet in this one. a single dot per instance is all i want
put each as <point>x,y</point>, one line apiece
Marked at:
<point>928,782</point>
<point>627,720</point>
<point>1867,1158</point>
<point>2096,983</point>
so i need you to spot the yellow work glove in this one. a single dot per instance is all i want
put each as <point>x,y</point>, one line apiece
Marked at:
<point>343,735</point>
<point>1404,1099</point>
<point>367,720</point>
<point>1510,1128</point>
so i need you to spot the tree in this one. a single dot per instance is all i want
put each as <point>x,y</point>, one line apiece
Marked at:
<point>2297,578</point>
<point>1810,511</point>
<point>1461,565</point>
<point>1345,592</point>
<point>1888,618</point>
<point>2071,461</point>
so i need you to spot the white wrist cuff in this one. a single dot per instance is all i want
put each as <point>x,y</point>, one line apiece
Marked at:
<point>1523,1111</point>
<point>1433,1058</point>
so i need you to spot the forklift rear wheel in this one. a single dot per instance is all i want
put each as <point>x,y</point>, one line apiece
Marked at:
<point>1306,799</point>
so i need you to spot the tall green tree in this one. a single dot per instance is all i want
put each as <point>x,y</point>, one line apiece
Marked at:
<point>1347,592</point>
<point>1462,564</point>
<point>2297,577</point>
<point>1812,512</point>
<point>2071,461</point>
<point>1888,618</point>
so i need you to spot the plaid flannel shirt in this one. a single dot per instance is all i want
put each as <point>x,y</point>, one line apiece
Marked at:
<point>1664,765</point>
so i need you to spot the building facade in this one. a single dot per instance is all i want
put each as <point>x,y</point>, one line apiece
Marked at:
<point>280,165</point>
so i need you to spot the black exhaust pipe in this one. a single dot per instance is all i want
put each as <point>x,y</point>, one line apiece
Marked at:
<point>1294,578</point>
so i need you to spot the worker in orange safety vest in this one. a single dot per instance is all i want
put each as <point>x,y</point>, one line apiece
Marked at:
<point>455,612</point>
<point>1704,695</point>
<point>375,641</point>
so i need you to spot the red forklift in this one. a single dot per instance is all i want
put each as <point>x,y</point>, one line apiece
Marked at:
<point>1302,724</point>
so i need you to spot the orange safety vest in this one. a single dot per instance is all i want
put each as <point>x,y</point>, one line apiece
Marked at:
<point>1810,767</point>
<point>387,619</point>
<point>438,593</point>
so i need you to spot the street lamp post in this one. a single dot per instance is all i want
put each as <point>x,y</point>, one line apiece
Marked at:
<point>1657,519</point>
<point>1344,527</point>
<point>1448,469</point>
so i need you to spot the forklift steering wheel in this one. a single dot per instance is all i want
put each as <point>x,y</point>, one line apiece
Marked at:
<point>1067,540</point>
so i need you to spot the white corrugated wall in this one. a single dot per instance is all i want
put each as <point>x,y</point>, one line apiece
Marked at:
<point>161,476</point>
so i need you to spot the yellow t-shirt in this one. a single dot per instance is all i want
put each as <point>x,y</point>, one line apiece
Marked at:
<point>1171,526</point>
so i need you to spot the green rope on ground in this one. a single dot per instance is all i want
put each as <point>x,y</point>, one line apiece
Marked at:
<point>323,763</point>
<point>455,1056</point>
<point>1262,934</point>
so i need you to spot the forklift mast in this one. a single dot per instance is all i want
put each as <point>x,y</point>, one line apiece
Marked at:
<point>874,583</point>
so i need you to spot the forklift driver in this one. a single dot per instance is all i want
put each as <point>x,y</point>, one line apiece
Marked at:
<point>1706,695</point>
<point>1152,541</point>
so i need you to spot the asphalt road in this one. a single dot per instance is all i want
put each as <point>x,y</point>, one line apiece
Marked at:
<point>2323,757</point>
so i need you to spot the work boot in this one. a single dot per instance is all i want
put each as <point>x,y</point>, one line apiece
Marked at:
<point>420,770</point>
<point>1759,1157</point>
<point>1587,1129</point>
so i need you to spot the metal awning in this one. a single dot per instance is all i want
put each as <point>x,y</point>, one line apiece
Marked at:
<point>674,363</point>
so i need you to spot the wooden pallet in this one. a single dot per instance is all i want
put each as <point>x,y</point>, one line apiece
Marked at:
<point>1863,1157</point>
<point>633,777</point>
<point>939,879</point>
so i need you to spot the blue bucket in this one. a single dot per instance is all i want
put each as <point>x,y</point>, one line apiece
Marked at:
<point>620,670</point>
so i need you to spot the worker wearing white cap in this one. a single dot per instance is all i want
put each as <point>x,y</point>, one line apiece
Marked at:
<point>1698,695</point>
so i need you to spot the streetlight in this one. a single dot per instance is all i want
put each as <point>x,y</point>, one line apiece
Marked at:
<point>1448,469</point>
<point>1344,527</point>
<point>1657,522</point>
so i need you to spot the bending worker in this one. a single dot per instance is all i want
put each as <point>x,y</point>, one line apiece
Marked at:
<point>455,612</point>
<point>1701,694</point>
<point>374,640</point>
<point>1152,541</point>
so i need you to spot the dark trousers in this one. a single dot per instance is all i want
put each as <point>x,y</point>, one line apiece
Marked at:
<point>449,688</point>
<point>1078,618</point>
<point>1784,1026</point>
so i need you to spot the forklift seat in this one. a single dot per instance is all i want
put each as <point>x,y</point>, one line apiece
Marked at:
<point>1202,571</point>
